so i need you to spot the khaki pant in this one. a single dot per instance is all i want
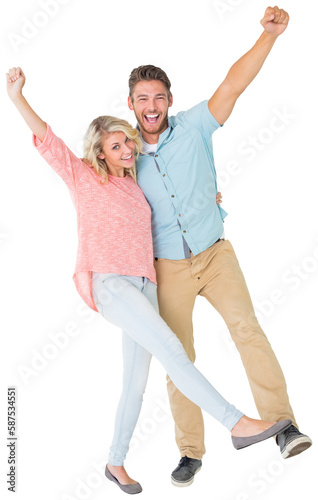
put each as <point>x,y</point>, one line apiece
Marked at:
<point>215,274</point>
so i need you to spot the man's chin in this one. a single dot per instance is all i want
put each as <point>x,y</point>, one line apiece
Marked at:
<point>152,129</point>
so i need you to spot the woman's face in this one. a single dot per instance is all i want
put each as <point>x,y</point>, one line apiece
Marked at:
<point>118,153</point>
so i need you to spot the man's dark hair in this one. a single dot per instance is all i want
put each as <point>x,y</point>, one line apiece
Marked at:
<point>148,73</point>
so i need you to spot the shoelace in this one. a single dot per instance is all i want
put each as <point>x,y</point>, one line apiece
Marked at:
<point>292,430</point>
<point>184,461</point>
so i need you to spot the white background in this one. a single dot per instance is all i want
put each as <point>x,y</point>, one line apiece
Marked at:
<point>77,66</point>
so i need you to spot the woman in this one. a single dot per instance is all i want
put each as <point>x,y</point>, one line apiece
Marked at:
<point>115,276</point>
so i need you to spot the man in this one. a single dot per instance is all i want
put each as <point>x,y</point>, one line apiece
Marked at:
<point>178,177</point>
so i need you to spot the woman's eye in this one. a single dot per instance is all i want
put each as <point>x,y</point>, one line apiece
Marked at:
<point>127,139</point>
<point>115,147</point>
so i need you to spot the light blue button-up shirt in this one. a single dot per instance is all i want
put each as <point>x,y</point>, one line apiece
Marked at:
<point>179,182</point>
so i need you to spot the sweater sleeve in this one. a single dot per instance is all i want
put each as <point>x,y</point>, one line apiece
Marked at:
<point>59,157</point>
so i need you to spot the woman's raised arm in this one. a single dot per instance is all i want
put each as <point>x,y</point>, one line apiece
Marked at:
<point>15,83</point>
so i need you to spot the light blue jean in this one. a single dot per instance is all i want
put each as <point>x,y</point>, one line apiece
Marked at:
<point>131,303</point>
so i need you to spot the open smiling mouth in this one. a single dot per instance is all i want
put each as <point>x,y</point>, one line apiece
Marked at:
<point>127,158</point>
<point>152,119</point>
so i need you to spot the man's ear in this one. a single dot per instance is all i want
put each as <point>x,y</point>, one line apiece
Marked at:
<point>170,100</point>
<point>130,105</point>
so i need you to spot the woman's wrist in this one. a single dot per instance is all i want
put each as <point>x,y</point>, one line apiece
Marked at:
<point>17,97</point>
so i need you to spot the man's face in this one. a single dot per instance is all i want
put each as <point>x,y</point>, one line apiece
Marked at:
<point>150,103</point>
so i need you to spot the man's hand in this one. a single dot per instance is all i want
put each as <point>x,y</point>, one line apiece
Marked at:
<point>275,20</point>
<point>243,72</point>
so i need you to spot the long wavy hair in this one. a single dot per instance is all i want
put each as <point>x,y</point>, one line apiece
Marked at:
<point>94,140</point>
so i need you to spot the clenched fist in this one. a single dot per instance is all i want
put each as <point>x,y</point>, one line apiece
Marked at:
<point>15,82</point>
<point>275,20</point>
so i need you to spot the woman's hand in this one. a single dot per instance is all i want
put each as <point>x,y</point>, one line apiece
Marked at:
<point>15,82</point>
<point>219,198</point>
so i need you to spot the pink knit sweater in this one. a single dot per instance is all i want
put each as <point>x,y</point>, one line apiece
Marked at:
<point>113,219</point>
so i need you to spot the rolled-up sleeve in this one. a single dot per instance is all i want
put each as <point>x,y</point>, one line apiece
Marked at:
<point>201,118</point>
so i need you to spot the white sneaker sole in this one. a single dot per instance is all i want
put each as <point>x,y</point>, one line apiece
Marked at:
<point>186,483</point>
<point>297,446</point>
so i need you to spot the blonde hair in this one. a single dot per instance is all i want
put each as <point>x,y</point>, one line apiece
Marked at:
<point>94,140</point>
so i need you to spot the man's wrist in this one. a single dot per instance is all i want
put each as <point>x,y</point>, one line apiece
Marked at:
<point>267,39</point>
<point>271,37</point>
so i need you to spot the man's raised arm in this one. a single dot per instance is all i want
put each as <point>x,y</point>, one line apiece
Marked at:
<point>243,72</point>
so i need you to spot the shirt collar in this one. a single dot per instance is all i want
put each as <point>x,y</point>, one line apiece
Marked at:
<point>165,134</point>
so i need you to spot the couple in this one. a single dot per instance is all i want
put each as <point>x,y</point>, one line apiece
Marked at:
<point>120,260</point>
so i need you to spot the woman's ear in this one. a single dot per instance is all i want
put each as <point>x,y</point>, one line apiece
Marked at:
<point>101,157</point>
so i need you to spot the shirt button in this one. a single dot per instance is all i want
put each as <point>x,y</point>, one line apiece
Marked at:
<point>163,175</point>
<point>184,231</point>
<point>172,196</point>
<point>179,215</point>
<point>156,156</point>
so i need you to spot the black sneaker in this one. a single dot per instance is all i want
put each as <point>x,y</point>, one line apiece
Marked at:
<point>292,442</point>
<point>184,474</point>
